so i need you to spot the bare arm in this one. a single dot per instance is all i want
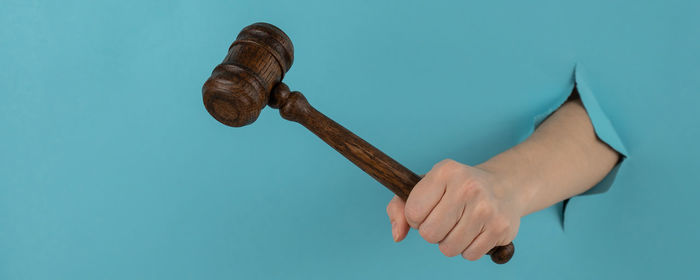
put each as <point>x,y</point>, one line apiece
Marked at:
<point>561,159</point>
<point>469,210</point>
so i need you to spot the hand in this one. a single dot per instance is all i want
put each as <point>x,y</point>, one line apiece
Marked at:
<point>466,210</point>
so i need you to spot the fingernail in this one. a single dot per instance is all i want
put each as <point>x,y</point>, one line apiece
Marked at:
<point>393,232</point>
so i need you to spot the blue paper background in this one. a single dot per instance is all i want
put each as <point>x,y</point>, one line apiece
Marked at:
<point>110,168</point>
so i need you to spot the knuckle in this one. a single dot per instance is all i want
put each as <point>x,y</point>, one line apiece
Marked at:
<point>476,251</point>
<point>500,226</point>
<point>428,233</point>
<point>412,214</point>
<point>451,165</point>
<point>449,162</point>
<point>447,249</point>
<point>469,190</point>
<point>444,162</point>
<point>475,186</point>
<point>446,167</point>
<point>483,210</point>
<point>471,255</point>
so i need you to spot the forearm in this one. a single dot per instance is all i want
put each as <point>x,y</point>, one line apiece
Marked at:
<point>561,159</point>
<point>470,209</point>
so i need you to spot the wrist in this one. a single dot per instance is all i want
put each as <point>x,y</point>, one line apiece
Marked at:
<point>515,189</point>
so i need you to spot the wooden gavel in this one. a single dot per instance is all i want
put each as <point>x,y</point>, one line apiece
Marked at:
<point>250,77</point>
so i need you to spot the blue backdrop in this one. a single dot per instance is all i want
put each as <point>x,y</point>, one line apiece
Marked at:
<point>111,168</point>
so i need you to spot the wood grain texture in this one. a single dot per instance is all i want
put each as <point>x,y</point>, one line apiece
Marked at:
<point>294,107</point>
<point>240,86</point>
<point>250,77</point>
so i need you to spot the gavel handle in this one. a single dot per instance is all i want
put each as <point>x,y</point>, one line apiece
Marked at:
<point>397,178</point>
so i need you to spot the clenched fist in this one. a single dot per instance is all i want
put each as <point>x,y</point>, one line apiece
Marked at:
<point>466,210</point>
<point>470,209</point>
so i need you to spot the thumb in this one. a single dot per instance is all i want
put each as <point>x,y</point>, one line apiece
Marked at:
<point>399,226</point>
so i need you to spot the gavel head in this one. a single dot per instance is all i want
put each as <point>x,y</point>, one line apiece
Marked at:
<point>239,87</point>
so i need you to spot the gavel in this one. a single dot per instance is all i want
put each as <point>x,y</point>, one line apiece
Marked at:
<point>250,77</point>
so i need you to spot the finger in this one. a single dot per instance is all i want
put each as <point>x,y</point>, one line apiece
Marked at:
<point>443,218</point>
<point>480,246</point>
<point>423,198</point>
<point>463,234</point>
<point>399,226</point>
